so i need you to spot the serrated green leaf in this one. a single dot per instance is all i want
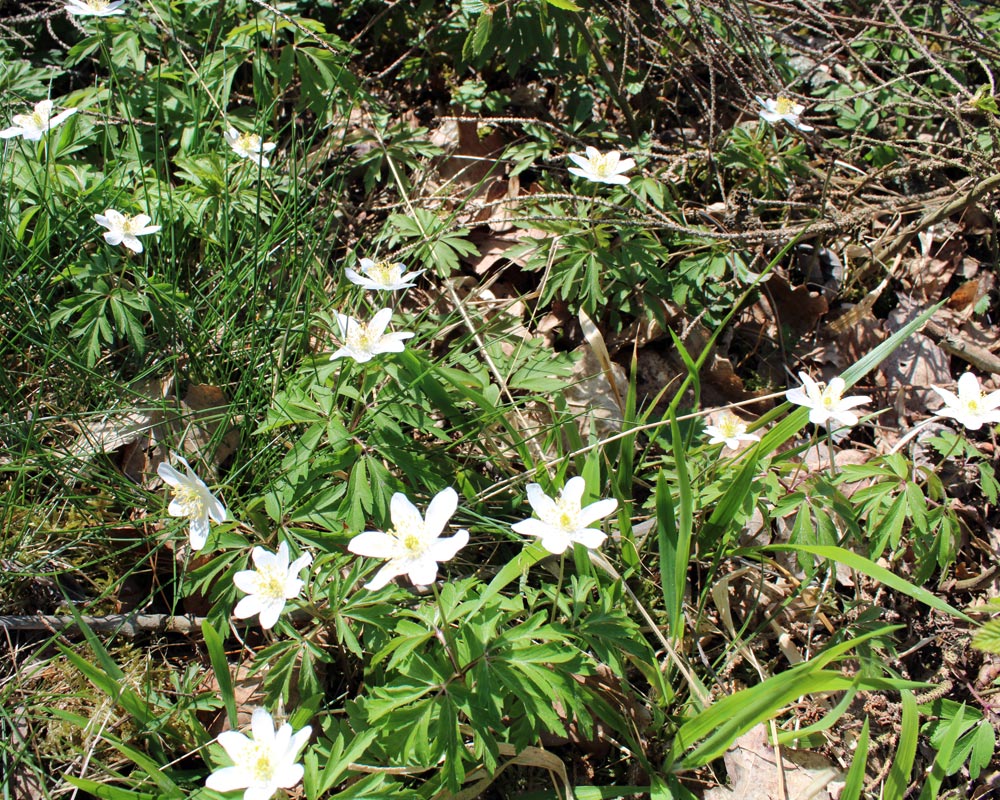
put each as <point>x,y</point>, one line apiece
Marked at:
<point>988,637</point>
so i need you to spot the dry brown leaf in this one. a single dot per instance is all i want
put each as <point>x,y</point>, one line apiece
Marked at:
<point>592,396</point>
<point>912,367</point>
<point>107,432</point>
<point>927,275</point>
<point>207,407</point>
<point>798,307</point>
<point>470,158</point>
<point>247,689</point>
<point>752,765</point>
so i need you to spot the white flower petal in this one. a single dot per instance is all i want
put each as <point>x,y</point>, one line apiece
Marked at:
<point>439,511</point>
<point>227,779</point>
<point>248,606</point>
<point>596,511</point>
<point>383,576</point>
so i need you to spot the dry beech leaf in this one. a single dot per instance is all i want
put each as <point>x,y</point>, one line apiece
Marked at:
<point>915,365</point>
<point>590,393</point>
<point>752,765</point>
<point>596,341</point>
<point>207,407</point>
<point>249,693</point>
<point>798,307</point>
<point>105,433</point>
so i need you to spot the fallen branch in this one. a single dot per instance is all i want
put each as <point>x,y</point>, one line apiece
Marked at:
<point>130,625</point>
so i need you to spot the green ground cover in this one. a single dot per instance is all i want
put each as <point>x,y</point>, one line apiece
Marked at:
<point>521,399</point>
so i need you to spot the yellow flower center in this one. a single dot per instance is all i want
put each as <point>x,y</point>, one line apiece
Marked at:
<point>972,405</point>
<point>39,120</point>
<point>730,426</point>
<point>130,226</point>
<point>359,338</point>
<point>600,165</point>
<point>784,105</point>
<point>261,766</point>
<point>248,143</point>
<point>190,500</point>
<point>384,272</point>
<point>271,583</point>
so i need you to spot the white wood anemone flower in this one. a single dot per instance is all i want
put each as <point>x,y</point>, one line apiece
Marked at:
<point>414,547</point>
<point>783,109</point>
<point>601,167</point>
<point>563,520</point>
<point>363,342</point>
<point>191,499</point>
<point>730,430</point>
<point>382,276</point>
<point>94,8</point>
<point>125,229</point>
<point>263,764</point>
<point>970,407</point>
<point>251,146</point>
<point>826,405</point>
<point>270,585</point>
<point>34,125</point>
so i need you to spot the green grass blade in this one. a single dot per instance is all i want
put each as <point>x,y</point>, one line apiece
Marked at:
<point>855,782</point>
<point>902,765</point>
<point>220,666</point>
<point>939,769</point>
<point>873,571</point>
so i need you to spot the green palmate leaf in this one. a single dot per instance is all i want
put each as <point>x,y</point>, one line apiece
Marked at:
<point>902,763</point>
<point>872,570</point>
<point>939,769</point>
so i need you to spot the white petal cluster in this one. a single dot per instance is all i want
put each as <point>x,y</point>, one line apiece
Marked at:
<point>270,585</point>
<point>601,167</point>
<point>382,276</point>
<point>262,764</point>
<point>730,430</point>
<point>33,126</point>
<point>782,109</point>
<point>970,407</point>
<point>414,547</point>
<point>125,229</point>
<point>826,405</point>
<point>94,8</point>
<point>251,146</point>
<point>563,520</point>
<point>191,499</point>
<point>363,341</point>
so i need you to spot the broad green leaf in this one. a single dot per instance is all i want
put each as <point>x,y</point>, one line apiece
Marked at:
<point>939,769</point>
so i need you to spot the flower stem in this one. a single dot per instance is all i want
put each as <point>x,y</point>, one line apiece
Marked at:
<point>559,582</point>
<point>442,632</point>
